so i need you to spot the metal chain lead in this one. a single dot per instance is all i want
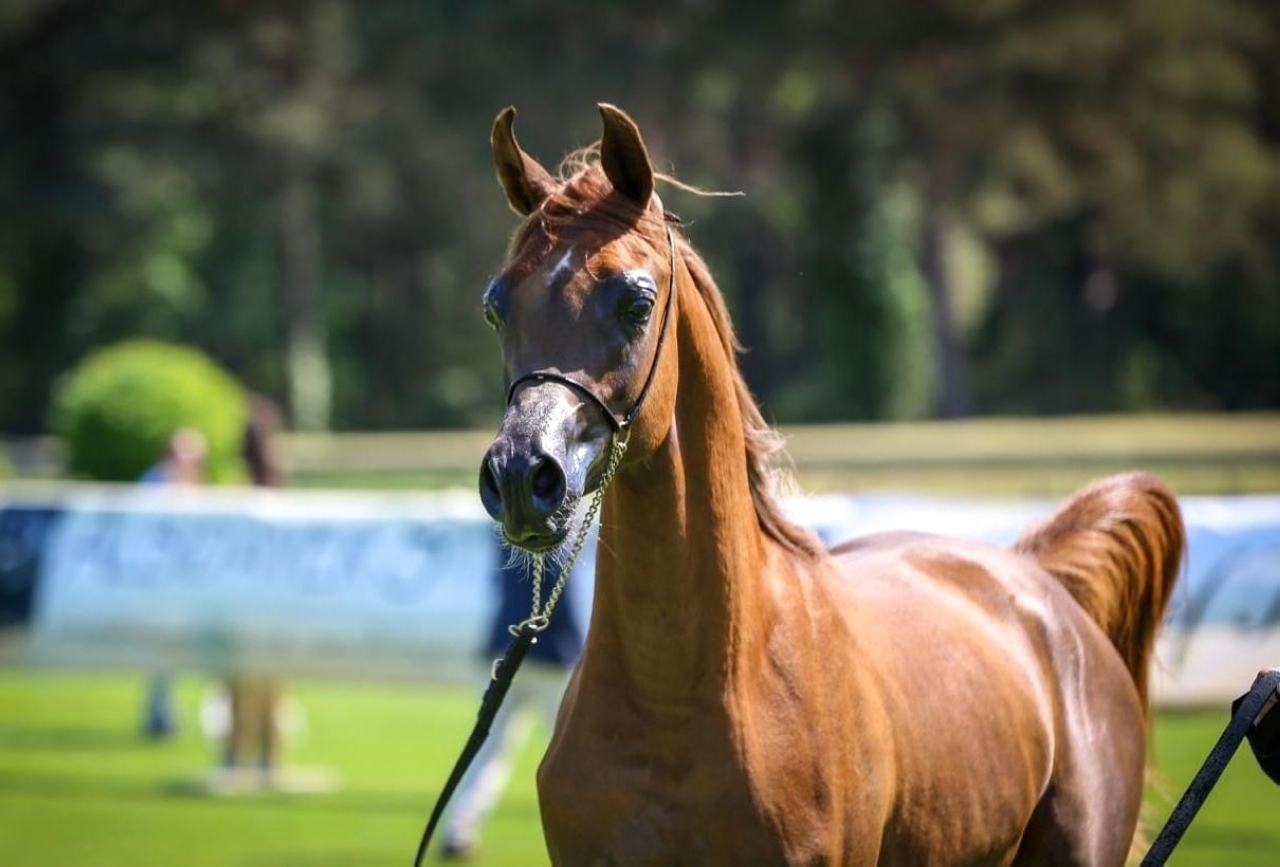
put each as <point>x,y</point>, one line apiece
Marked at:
<point>540,616</point>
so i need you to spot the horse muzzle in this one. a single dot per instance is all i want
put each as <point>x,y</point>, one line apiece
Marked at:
<point>526,490</point>
<point>537,468</point>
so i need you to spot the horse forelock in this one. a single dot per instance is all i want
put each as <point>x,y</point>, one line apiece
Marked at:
<point>585,209</point>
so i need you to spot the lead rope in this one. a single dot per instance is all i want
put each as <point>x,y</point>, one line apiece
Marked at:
<point>524,634</point>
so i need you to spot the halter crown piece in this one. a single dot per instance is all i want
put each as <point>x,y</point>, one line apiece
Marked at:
<point>526,632</point>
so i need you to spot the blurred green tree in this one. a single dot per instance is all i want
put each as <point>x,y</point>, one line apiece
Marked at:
<point>950,207</point>
<point>116,411</point>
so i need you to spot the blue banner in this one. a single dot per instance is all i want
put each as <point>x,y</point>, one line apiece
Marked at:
<point>381,585</point>
<point>23,532</point>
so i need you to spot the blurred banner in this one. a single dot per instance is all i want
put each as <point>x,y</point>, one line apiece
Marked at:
<point>401,586</point>
<point>250,581</point>
<point>1223,624</point>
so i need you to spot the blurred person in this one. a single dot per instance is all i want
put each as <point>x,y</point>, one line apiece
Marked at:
<point>535,692</point>
<point>182,463</point>
<point>255,706</point>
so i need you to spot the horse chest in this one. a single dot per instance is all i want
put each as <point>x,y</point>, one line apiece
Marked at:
<point>605,805</point>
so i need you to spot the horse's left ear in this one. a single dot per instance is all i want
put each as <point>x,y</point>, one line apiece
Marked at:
<point>524,180</point>
<point>624,157</point>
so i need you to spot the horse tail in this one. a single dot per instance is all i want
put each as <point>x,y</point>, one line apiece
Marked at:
<point>1117,545</point>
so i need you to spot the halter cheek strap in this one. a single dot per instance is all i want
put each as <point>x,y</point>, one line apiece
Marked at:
<point>621,424</point>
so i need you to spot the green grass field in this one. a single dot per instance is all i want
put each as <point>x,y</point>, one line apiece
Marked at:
<point>79,786</point>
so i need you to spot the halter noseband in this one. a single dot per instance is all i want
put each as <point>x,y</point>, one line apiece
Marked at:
<point>620,425</point>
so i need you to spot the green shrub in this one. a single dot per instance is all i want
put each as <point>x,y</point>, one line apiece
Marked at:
<point>116,410</point>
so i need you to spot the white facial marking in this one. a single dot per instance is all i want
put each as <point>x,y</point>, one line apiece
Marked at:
<point>562,267</point>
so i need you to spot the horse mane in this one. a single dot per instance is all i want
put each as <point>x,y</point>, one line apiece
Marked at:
<point>587,209</point>
<point>764,445</point>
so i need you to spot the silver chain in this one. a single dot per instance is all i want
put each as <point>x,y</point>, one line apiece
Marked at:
<point>540,615</point>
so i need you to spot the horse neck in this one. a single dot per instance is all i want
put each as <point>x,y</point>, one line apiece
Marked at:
<point>681,555</point>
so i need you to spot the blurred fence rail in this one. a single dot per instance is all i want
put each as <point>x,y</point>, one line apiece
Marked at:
<point>1044,456</point>
<point>1197,453</point>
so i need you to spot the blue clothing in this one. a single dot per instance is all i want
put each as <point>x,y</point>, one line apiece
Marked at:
<point>158,718</point>
<point>561,642</point>
<point>158,474</point>
<point>158,715</point>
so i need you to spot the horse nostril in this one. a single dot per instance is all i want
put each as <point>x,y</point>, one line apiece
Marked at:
<point>547,485</point>
<point>490,493</point>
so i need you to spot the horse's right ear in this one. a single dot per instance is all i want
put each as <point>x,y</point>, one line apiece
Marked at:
<point>623,156</point>
<point>526,183</point>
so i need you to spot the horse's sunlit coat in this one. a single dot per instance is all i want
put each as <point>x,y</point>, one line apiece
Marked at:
<point>746,697</point>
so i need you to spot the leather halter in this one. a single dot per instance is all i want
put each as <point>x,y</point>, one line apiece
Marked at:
<point>620,425</point>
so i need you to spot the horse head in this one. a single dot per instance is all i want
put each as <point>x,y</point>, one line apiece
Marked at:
<point>582,309</point>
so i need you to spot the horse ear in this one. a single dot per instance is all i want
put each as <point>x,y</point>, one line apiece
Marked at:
<point>624,157</point>
<point>526,183</point>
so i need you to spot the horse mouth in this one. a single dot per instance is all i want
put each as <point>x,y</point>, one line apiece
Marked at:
<point>536,543</point>
<point>546,537</point>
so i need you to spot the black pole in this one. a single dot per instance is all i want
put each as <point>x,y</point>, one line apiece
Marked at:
<point>1246,711</point>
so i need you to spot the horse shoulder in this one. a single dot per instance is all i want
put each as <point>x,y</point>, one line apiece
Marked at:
<point>808,735</point>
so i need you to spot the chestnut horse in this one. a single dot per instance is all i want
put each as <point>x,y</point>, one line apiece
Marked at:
<point>745,696</point>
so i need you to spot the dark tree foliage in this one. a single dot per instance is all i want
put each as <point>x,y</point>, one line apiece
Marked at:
<point>995,206</point>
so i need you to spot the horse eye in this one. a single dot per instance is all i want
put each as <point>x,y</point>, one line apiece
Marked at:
<point>491,315</point>
<point>637,309</point>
